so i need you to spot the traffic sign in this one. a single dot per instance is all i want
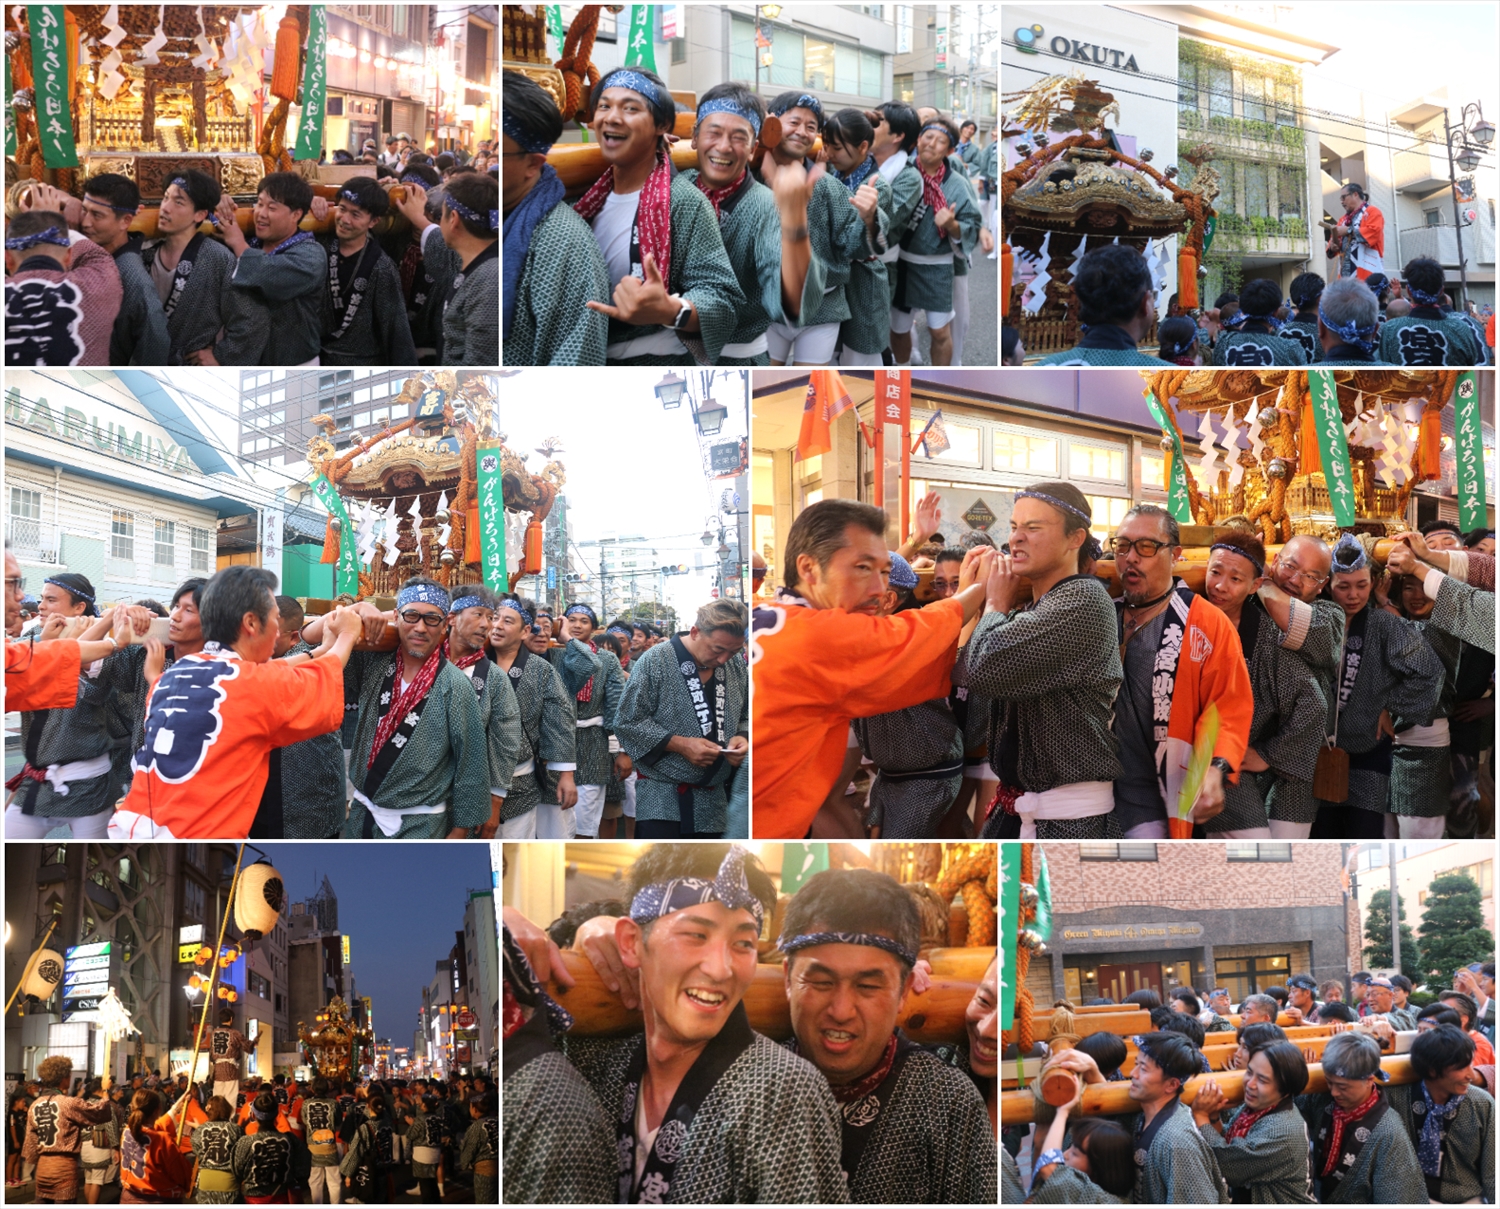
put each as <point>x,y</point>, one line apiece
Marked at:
<point>466,1019</point>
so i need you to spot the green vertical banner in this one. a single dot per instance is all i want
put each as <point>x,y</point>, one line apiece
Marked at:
<point>1042,925</point>
<point>491,516</point>
<point>1468,442</point>
<point>346,575</point>
<point>1210,229</point>
<point>1177,493</point>
<point>1333,445</point>
<point>49,69</point>
<point>314,87</point>
<point>1008,926</point>
<point>799,862</point>
<point>10,112</point>
<point>555,27</point>
<point>640,50</point>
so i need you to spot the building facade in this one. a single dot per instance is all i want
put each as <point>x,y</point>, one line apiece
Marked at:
<point>945,57</point>
<point>379,80</point>
<point>1241,915</point>
<point>482,985</point>
<point>1417,864</point>
<point>466,45</point>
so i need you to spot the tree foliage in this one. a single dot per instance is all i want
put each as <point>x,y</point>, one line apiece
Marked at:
<point>1453,932</point>
<point>1378,937</point>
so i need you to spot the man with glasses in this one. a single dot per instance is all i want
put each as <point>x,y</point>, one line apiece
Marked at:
<point>471,613</point>
<point>684,721</point>
<point>1181,655</point>
<point>419,765</point>
<point>543,794</point>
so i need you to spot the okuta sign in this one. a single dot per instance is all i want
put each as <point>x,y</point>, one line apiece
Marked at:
<point>1033,39</point>
<point>1135,932</point>
<point>71,424</point>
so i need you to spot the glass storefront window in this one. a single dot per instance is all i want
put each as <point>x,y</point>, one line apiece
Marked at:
<point>963,442</point>
<point>1153,471</point>
<point>1108,511</point>
<point>1096,462</point>
<point>817,65</point>
<point>1030,454</point>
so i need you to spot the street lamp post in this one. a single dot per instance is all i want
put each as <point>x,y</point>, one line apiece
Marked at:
<point>772,11</point>
<point>1467,159</point>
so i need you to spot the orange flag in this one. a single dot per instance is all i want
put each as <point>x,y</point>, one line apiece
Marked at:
<point>826,400</point>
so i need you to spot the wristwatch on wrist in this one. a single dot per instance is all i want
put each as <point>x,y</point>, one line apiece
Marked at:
<point>1222,765</point>
<point>683,316</point>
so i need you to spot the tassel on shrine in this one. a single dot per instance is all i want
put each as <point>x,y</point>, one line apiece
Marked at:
<point>533,564</point>
<point>1007,267</point>
<point>1430,446</point>
<point>1187,278</point>
<point>471,533</point>
<point>330,544</point>
<point>284,74</point>
<point>1307,440</point>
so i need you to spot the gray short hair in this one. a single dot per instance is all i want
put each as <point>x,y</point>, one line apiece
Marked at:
<point>487,598</point>
<point>1262,1003</point>
<point>1168,521</point>
<point>722,615</point>
<point>1351,1056</point>
<point>1349,300</point>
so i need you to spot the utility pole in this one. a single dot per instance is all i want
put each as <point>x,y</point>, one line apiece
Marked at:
<point>1395,911</point>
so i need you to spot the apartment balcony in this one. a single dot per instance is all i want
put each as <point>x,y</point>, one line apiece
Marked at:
<point>1441,244</point>
<point>1421,168</point>
<point>1262,238</point>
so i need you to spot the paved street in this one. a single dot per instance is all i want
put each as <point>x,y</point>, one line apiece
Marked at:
<point>982,344</point>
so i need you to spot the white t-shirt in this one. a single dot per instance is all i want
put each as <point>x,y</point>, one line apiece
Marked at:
<point>612,227</point>
<point>644,1139</point>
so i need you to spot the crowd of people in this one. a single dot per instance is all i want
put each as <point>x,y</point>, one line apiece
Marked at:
<point>491,718</point>
<point>1346,322</point>
<point>158,1139</point>
<point>82,289</point>
<point>700,1108</point>
<point>817,246</point>
<point>1067,710</point>
<point>1361,1138</point>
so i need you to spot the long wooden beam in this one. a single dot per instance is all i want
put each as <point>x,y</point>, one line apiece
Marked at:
<point>1122,1024</point>
<point>1113,1099</point>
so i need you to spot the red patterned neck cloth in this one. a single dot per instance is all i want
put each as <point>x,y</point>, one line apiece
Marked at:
<point>403,702</point>
<point>512,1014</point>
<point>1245,1122</point>
<point>653,216</point>
<point>586,693</point>
<point>715,196</point>
<point>932,187</point>
<point>857,1091</point>
<point>469,660</point>
<point>1340,1119</point>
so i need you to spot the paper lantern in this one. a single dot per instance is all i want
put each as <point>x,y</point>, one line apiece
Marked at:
<point>195,982</point>
<point>223,991</point>
<point>258,900</point>
<point>43,973</point>
<point>203,956</point>
<point>233,995</point>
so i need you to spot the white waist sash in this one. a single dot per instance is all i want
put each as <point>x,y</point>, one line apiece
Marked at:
<point>58,775</point>
<point>524,770</point>
<point>596,720</point>
<point>388,820</point>
<point>430,1155</point>
<point>1435,735</point>
<point>891,255</point>
<point>657,344</point>
<point>926,258</point>
<point>749,348</point>
<point>1079,801</point>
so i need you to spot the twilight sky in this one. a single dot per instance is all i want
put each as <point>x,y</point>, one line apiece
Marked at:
<point>399,904</point>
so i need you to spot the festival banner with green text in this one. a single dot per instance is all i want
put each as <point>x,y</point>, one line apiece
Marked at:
<point>640,51</point>
<point>491,516</point>
<point>799,862</point>
<point>1177,493</point>
<point>1333,445</point>
<point>49,68</point>
<point>1468,441</point>
<point>1008,925</point>
<point>10,112</point>
<point>347,573</point>
<point>314,87</point>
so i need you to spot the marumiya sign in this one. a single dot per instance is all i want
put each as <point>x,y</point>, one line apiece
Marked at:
<point>1033,40</point>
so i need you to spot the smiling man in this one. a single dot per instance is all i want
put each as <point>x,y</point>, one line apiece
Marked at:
<point>364,313</point>
<point>824,656</point>
<point>282,271</point>
<point>915,1129</point>
<point>682,720</point>
<point>1046,673</point>
<point>674,297</point>
<point>706,1110</point>
<point>765,230</point>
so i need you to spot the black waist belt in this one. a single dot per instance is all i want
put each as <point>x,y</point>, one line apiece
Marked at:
<point>933,772</point>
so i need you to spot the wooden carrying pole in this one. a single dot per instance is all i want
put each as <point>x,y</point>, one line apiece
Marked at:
<point>213,978</point>
<point>935,1015</point>
<point>30,961</point>
<point>1113,1099</point>
<point>1123,1024</point>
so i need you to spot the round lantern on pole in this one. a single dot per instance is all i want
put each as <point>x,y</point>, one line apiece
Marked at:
<point>258,900</point>
<point>43,972</point>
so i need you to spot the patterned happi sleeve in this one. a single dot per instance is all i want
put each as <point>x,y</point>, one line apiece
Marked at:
<point>1301,714</point>
<point>613,683</point>
<point>768,273</point>
<point>906,195</point>
<point>702,274</point>
<point>1274,1152</point>
<point>469,751</point>
<point>1416,672</point>
<point>559,725</point>
<point>563,272</point>
<point>1066,639</point>
<point>1065,1186</point>
<point>1465,612</point>
<point>505,734</point>
<point>636,724</point>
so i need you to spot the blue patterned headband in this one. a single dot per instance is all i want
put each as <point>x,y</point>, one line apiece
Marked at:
<point>805,101</point>
<point>1349,555</point>
<point>948,134</point>
<point>618,629</point>
<point>466,602</point>
<point>511,604</point>
<point>729,887</point>
<point>585,610</point>
<point>790,945</point>
<point>1240,318</point>
<point>1351,332</point>
<point>463,211</point>
<point>525,140</point>
<point>623,77</point>
<point>523,984</point>
<point>101,202</point>
<point>351,195</point>
<point>19,243</point>
<point>1085,517</point>
<point>1260,567</point>
<point>422,594</point>
<point>57,583</point>
<point>725,105</point>
<point>411,178</point>
<point>902,576</point>
<point>1423,296</point>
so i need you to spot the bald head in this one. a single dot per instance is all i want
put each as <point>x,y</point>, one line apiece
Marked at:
<point>1301,569</point>
<point>1397,308</point>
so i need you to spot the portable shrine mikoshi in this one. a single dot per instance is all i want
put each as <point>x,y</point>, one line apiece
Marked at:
<point>1082,186</point>
<point>335,1042</point>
